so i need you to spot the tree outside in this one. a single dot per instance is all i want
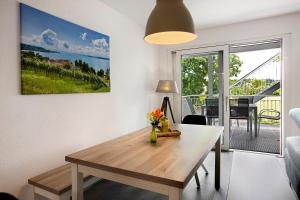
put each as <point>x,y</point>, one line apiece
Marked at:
<point>195,73</point>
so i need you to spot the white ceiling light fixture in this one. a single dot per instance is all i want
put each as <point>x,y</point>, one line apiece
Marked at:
<point>170,23</point>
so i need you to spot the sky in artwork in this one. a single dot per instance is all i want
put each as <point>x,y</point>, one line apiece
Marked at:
<point>44,30</point>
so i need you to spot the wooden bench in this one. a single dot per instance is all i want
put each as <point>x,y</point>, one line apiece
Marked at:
<point>54,184</point>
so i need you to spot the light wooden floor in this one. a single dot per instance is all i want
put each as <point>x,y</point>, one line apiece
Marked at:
<point>244,176</point>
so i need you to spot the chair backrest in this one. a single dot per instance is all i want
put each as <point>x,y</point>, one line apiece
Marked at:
<point>194,119</point>
<point>6,196</point>
<point>241,110</point>
<point>243,102</point>
<point>212,108</point>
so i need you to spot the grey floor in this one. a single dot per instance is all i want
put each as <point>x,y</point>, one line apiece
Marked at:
<point>268,139</point>
<point>107,190</point>
<point>244,176</point>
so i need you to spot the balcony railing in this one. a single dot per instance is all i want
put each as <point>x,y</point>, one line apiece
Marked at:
<point>270,102</point>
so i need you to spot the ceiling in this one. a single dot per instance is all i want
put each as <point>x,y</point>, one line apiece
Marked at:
<point>210,13</point>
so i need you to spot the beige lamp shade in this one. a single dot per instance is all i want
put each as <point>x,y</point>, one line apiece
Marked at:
<point>167,86</point>
<point>170,23</point>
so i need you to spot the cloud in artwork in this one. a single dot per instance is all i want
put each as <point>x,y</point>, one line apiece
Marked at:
<point>36,38</point>
<point>49,37</point>
<point>96,51</point>
<point>100,43</point>
<point>83,36</point>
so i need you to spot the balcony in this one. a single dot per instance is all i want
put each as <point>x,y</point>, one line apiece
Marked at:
<point>268,138</point>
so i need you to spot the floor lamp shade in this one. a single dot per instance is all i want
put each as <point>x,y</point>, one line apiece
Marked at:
<point>170,23</point>
<point>167,86</point>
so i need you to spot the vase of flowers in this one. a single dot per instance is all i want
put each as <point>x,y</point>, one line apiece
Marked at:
<point>154,118</point>
<point>153,135</point>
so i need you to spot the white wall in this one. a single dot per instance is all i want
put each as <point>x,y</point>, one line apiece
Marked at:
<point>37,131</point>
<point>258,29</point>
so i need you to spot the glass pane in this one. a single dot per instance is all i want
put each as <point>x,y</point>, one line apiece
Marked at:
<point>202,86</point>
<point>255,81</point>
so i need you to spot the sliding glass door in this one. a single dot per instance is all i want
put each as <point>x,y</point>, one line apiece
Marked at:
<point>255,96</point>
<point>202,76</point>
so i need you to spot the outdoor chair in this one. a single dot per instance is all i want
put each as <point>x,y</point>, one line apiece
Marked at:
<point>232,103</point>
<point>212,109</point>
<point>197,120</point>
<point>241,111</point>
<point>268,114</point>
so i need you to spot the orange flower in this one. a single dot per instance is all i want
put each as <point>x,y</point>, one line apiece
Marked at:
<point>157,113</point>
<point>155,116</point>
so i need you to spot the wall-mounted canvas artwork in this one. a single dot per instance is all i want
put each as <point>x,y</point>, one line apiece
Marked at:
<point>59,57</point>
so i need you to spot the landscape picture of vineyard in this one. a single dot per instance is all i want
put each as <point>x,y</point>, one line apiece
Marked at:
<point>59,57</point>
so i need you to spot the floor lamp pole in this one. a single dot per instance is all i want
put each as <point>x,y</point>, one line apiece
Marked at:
<point>164,107</point>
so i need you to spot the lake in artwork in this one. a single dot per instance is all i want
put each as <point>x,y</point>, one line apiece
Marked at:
<point>59,57</point>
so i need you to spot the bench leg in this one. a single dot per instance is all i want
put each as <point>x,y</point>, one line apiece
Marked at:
<point>77,183</point>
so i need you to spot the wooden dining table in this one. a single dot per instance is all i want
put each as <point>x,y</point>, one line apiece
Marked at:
<point>165,167</point>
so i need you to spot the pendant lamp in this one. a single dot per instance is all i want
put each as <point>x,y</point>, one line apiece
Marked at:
<point>170,23</point>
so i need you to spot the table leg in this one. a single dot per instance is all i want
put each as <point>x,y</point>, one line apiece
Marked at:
<point>175,193</point>
<point>218,164</point>
<point>35,196</point>
<point>77,183</point>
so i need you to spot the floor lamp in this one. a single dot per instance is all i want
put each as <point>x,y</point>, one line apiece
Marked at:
<point>167,86</point>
